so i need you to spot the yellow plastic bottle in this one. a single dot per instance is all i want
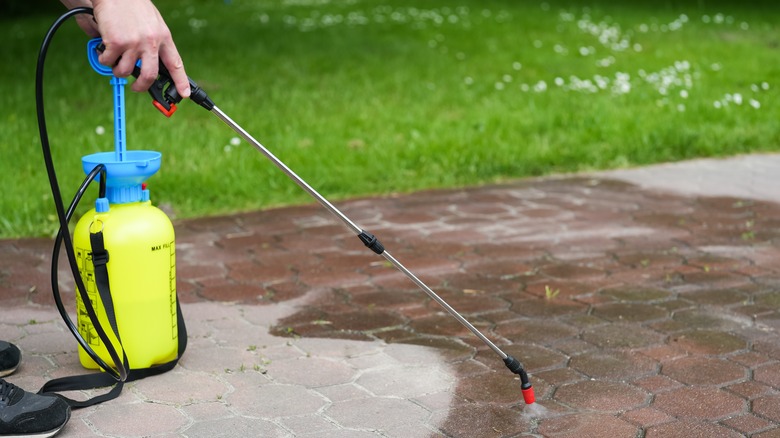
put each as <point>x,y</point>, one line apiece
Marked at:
<point>141,266</point>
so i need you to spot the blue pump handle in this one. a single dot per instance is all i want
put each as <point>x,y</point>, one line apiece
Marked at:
<point>92,56</point>
<point>118,84</point>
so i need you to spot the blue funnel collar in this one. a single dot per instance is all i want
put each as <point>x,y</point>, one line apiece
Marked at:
<point>124,178</point>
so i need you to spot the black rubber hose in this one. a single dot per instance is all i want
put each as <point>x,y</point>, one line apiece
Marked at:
<point>120,373</point>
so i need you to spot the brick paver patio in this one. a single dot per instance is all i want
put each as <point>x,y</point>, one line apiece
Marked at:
<point>637,312</point>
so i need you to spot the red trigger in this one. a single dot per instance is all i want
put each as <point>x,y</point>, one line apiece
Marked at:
<point>162,109</point>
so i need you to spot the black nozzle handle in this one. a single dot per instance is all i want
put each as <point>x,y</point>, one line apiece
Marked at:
<point>164,93</point>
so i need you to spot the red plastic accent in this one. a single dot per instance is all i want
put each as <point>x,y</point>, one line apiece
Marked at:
<point>528,396</point>
<point>143,186</point>
<point>162,109</point>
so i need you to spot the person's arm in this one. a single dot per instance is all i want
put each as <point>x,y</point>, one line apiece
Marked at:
<point>133,30</point>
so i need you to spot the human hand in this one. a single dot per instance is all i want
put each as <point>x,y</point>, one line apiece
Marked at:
<point>133,30</point>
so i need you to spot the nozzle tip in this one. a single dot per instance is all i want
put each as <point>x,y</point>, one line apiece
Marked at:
<point>528,395</point>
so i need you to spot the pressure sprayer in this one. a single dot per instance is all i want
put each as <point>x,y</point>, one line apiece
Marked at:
<point>165,98</point>
<point>122,256</point>
<point>140,238</point>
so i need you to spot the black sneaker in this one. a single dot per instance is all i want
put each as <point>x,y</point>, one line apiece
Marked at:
<point>24,414</point>
<point>9,358</point>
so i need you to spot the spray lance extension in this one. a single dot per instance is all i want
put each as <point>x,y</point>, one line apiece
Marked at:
<point>165,97</point>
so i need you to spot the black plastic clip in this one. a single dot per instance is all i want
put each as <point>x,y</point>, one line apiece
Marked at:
<point>371,242</point>
<point>99,251</point>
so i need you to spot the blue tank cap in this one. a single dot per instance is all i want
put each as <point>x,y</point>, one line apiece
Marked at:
<point>101,205</point>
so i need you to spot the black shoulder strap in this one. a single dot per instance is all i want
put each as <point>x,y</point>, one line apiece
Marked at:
<point>102,379</point>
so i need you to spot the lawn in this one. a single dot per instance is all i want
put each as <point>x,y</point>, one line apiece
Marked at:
<point>371,97</point>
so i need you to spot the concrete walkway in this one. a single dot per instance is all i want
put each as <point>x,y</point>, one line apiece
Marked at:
<point>644,303</point>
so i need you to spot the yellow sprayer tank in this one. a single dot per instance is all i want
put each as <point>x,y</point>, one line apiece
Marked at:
<point>139,239</point>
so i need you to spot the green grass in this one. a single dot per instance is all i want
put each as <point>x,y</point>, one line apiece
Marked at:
<point>377,96</point>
